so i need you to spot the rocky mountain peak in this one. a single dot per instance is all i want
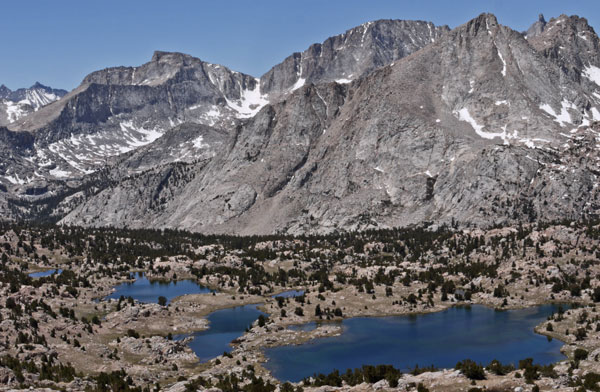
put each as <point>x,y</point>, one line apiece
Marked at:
<point>4,91</point>
<point>26,94</point>
<point>536,28</point>
<point>495,80</point>
<point>178,57</point>
<point>485,23</point>
<point>570,42</point>
<point>17,104</point>
<point>39,85</point>
<point>162,67</point>
<point>569,24</point>
<point>350,55</point>
<point>566,25</point>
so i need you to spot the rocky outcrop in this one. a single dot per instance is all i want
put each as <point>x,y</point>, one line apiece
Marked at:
<point>536,28</point>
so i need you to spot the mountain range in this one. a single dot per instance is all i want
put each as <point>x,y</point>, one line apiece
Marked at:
<point>392,123</point>
<point>21,102</point>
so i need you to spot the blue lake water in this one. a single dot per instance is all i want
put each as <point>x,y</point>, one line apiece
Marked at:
<point>289,294</point>
<point>440,339</point>
<point>225,326</point>
<point>43,274</point>
<point>148,291</point>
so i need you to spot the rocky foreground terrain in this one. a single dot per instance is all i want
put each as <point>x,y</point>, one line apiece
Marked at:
<point>54,333</point>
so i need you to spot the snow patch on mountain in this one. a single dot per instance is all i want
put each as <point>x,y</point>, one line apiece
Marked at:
<point>14,179</point>
<point>464,115</point>
<point>592,73</point>
<point>37,98</point>
<point>563,117</point>
<point>212,115</point>
<point>503,62</point>
<point>299,83</point>
<point>138,136</point>
<point>15,105</point>
<point>250,103</point>
<point>59,173</point>
<point>199,142</point>
<point>15,110</point>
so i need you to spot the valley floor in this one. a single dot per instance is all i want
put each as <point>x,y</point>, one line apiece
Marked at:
<point>56,332</point>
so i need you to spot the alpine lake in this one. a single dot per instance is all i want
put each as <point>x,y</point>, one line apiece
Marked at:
<point>436,339</point>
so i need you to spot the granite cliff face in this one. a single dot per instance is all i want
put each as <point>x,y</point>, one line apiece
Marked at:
<point>118,110</point>
<point>351,55</point>
<point>482,126</point>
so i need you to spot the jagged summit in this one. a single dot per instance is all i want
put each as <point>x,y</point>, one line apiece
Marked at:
<point>128,107</point>
<point>19,94</point>
<point>17,104</point>
<point>350,55</point>
<point>485,23</point>
<point>39,85</point>
<point>536,28</point>
<point>572,43</point>
<point>4,91</point>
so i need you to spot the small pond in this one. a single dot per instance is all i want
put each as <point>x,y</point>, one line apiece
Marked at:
<point>289,294</point>
<point>147,291</point>
<point>440,339</point>
<point>43,274</point>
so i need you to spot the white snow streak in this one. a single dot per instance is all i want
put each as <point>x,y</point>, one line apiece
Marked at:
<point>464,115</point>
<point>14,111</point>
<point>592,73</point>
<point>198,142</point>
<point>59,173</point>
<point>250,103</point>
<point>299,83</point>
<point>16,180</point>
<point>503,62</point>
<point>563,117</point>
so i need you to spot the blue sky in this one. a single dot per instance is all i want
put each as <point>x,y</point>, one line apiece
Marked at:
<point>59,42</point>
